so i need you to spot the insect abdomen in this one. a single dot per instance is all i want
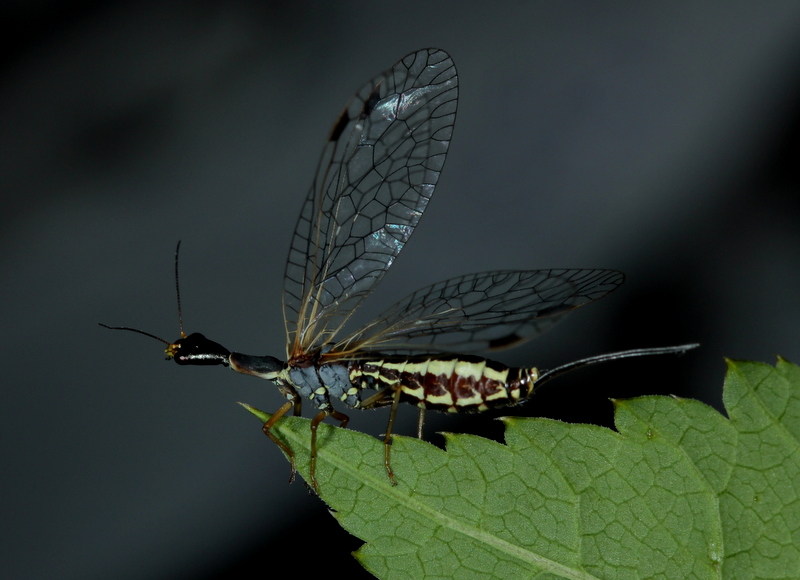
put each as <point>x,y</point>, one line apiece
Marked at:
<point>451,384</point>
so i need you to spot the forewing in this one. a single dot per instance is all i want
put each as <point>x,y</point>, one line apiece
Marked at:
<point>485,311</point>
<point>375,177</point>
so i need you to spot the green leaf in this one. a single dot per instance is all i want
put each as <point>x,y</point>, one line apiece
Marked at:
<point>679,491</point>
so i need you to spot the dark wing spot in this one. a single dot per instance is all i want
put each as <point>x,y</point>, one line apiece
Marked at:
<point>341,123</point>
<point>369,104</point>
<point>505,341</point>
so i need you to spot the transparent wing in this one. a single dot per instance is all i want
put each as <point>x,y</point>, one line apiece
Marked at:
<point>375,177</point>
<point>486,311</point>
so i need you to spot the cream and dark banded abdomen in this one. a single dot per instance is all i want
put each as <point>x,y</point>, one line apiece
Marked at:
<point>453,384</point>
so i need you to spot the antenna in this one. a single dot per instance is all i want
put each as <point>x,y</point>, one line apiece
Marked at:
<point>178,290</point>
<point>180,313</point>
<point>133,330</point>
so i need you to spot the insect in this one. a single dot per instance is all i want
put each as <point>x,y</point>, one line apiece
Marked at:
<point>377,173</point>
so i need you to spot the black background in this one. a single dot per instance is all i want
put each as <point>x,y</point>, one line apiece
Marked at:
<point>658,140</point>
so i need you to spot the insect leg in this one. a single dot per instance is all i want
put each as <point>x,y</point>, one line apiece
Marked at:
<point>389,396</point>
<point>380,399</point>
<point>267,431</point>
<point>342,418</point>
<point>387,437</point>
<point>420,422</point>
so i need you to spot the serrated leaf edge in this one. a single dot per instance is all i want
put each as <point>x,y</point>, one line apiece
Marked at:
<point>399,495</point>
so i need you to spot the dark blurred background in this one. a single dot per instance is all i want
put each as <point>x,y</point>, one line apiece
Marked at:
<point>660,140</point>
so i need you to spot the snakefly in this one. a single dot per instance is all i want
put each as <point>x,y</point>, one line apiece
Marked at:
<point>377,173</point>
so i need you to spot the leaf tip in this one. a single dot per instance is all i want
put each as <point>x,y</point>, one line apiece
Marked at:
<point>447,436</point>
<point>262,416</point>
<point>731,363</point>
<point>507,421</point>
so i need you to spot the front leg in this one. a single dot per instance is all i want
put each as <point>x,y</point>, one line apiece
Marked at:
<point>295,403</point>
<point>267,428</point>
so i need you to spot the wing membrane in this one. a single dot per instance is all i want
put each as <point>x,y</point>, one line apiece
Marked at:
<point>486,311</point>
<point>375,177</point>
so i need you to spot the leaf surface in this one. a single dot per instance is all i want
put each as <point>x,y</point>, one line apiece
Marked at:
<point>678,491</point>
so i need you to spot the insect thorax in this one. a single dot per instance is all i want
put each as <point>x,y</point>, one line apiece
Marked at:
<point>320,383</point>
